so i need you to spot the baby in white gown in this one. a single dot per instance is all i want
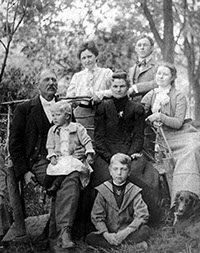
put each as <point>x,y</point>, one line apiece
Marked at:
<point>63,139</point>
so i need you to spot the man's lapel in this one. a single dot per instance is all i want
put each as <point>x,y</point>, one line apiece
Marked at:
<point>36,112</point>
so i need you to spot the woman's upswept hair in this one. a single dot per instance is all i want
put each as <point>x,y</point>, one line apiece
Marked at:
<point>122,158</point>
<point>88,45</point>
<point>171,67</point>
<point>121,74</point>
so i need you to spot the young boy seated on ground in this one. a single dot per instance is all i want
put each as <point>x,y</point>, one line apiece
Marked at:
<point>119,212</point>
<point>63,138</point>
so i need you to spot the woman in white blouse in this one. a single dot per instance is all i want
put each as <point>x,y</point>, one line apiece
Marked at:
<point>92,81</point>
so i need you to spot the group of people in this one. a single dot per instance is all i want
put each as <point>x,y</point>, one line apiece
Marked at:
<point>46,143</point>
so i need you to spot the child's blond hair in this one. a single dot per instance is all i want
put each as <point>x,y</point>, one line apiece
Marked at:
<point>122,158</point>
<point>62,106</point>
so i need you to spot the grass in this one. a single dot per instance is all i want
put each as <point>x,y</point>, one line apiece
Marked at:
<point>163,238</point>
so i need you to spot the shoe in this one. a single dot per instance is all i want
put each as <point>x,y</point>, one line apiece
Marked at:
<point>64,239</point>
<point>41,243</point>
<point>142,245</point>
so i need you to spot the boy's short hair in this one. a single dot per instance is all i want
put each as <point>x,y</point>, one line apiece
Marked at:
<point>143,36</point>
<point>62,106</point>
<point>122,158</point>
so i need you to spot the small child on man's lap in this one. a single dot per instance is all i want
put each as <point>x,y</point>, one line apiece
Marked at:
<point>119,212</point>
<point>63,139</point>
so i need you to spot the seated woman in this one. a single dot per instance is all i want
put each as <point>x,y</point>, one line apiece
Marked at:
<point>168,106</point>
<point>119,128</point>
<point>92,81</point>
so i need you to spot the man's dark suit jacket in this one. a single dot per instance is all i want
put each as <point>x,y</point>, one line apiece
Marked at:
<point>28,133</point>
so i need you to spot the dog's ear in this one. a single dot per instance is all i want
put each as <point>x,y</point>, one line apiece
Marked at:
<point>194,199</point>
<point>178,194</point>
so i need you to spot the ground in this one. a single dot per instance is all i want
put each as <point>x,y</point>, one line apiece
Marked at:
<point>163,239</point>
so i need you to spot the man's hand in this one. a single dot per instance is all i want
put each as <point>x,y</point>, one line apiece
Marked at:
<point>79,153</point>
<point>111,238</point>
<point>132,90</point>
<point>29,177</point>
<point>107,94</point>
<point>89,158</point>
<point>95,99</point>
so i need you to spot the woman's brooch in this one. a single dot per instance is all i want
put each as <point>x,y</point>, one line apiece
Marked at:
<point>165,99</point>
<point>121,114</point>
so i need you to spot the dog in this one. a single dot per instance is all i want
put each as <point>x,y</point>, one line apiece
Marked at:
<point>186,207</point>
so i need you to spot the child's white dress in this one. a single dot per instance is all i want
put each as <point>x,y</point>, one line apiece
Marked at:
<point>62,140</point>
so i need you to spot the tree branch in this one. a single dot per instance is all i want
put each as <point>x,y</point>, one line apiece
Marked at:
<point>10,35</point>
<point>182,23</point>
<point>3,44</point>
<point>152,25</point>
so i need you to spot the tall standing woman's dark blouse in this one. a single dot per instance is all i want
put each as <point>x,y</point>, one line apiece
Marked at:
<point>119,127</point>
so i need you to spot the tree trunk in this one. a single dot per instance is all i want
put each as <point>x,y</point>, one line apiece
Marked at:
<point>168,39</point>
<point>166,44</point>
<point>196,94</point>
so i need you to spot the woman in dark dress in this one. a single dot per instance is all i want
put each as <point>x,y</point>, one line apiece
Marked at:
<point>119,127</point>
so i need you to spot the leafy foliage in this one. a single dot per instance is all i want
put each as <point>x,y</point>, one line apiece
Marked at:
<point>17,84</point>
<point>51,32</point>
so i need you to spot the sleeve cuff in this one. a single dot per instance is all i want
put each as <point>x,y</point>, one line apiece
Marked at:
<point>134,87</point>
<point>101,227</point>
<point>89,151</point>
<point>136,224</point>
<point>104,93</point>
<point>50,155</point>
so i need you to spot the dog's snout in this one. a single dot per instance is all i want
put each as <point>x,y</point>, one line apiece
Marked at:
<point>181,208</point>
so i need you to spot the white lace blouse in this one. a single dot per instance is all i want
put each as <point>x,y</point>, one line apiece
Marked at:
<point>87,83</point>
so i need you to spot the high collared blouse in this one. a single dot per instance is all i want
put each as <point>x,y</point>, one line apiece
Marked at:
<point>87,83</point>
<point>172,113</point>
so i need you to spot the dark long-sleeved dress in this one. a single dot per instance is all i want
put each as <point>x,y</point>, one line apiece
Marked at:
<point>119,127</point>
